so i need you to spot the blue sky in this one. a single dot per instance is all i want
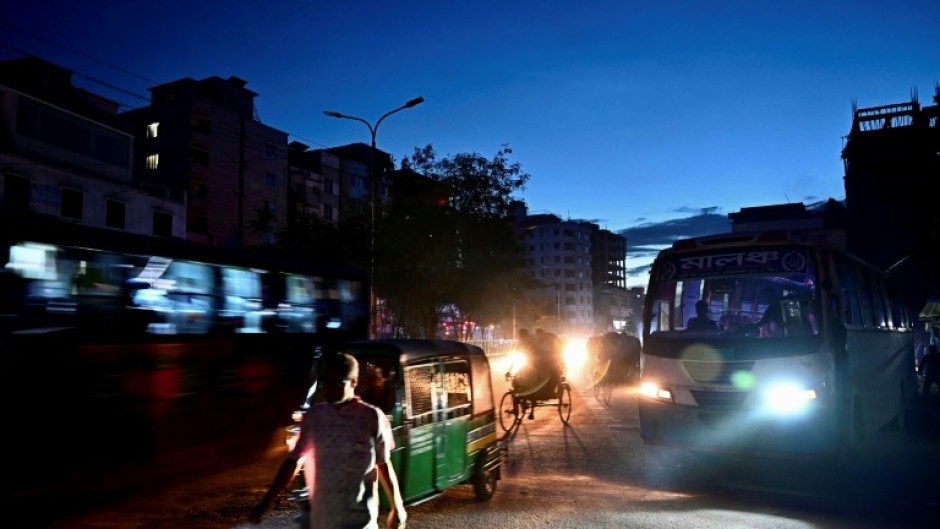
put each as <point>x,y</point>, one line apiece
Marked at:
<point>655,118</point>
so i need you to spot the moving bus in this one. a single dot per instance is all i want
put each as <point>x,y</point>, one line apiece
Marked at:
<point>810,349</point>
<point>155,353</point>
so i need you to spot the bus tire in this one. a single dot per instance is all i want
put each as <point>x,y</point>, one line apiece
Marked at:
<point>484,480</point>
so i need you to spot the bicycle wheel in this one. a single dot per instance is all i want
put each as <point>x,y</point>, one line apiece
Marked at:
<point>508,412</point>
<point>598,387</point>
<point>564,403</point>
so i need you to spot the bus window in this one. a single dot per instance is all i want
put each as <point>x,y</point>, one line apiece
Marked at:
<point>866,318</point>
<point>898,310</point>
<point>878,301</point>
<point>888,304</point>
<point>852,309</point>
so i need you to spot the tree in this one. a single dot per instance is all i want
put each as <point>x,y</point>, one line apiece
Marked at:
<point>462,252</point>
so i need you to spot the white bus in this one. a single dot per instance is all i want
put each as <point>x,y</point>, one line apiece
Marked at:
<point>810,350</point>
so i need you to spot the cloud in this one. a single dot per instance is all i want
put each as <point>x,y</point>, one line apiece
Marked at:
<point>645,240</point>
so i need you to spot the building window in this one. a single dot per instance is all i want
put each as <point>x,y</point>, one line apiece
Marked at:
<point>71,204</point>
<point>198,157</point>
<point>199,123</point>
<point>198,189</point>
<point>197,223</point>
<point>271,207</point>
<point>270,150</point>
<point>16,192</point>
<point>327,212</point>
<point>162,224</point>
<point>114,215</point>
<point>152,129</point>
<point>270,179</point>
<point>153,161</point>
<point>328,186</point>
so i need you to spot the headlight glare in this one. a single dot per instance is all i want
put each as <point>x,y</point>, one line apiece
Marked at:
<point>788,398</point>
<point>653,391</point>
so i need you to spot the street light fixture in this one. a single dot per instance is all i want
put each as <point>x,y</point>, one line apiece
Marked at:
<point>373,129</point>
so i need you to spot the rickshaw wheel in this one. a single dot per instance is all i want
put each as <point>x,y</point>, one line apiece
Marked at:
<point>564,403</point>
<point>484,481</point>
<point>508,412</point>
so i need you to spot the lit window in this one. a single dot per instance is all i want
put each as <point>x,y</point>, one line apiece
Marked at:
<point>153,161</point>
<point>152,129</point>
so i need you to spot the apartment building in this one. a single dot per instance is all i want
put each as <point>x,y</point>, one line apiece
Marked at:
<point>64,154</point>
<point>314,184</point>
<point>204,139</point>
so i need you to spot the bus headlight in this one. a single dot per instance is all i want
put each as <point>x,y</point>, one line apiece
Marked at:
<point>654,391</point>
<point>788,398</point>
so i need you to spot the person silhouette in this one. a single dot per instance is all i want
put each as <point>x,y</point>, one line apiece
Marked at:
<point>929,368</point>
<point>701,321</point>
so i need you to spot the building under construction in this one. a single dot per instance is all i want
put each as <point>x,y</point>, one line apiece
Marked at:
<point>892,192</point>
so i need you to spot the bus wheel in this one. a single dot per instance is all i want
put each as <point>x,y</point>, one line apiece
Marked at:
<point>484,481</point>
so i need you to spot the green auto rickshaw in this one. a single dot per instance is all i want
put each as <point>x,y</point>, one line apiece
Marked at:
<point>438,396</point>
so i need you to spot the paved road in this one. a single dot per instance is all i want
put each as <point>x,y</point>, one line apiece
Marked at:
<point>597,473</point>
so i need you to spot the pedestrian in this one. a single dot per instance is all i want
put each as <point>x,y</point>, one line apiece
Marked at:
<point>935,336</point>
<point>929,368</point>
<point>344,445</point>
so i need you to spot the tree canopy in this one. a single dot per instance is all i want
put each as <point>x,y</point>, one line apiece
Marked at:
<point>446,245</point>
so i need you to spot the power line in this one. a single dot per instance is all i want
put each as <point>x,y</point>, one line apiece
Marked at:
<point>85,55</point>
<point>87,77</point>
<point>123,70</point>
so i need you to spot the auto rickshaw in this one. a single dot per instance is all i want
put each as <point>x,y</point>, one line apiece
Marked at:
<point>438,397</point>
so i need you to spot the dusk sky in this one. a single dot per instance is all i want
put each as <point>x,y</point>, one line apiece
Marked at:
<point>658,118</point>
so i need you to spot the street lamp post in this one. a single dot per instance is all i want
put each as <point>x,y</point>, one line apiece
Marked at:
<point>373,129</point>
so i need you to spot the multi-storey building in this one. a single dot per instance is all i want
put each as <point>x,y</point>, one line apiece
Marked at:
<point>358,164</point>
<point>204,138</point>
<point>558,253</point>
<point>613,307</point>
<point>314,189</point>
<point>892,181</point>
<point>63,154</point>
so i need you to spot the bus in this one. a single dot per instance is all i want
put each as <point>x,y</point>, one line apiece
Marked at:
<point>808,349</point>
<point>156,354</point>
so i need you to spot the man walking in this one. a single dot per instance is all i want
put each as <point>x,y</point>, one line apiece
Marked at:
<point>344,445</point>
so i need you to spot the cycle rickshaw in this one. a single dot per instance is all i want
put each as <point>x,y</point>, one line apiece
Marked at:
<point>538,391</point>
<point>617,364</point>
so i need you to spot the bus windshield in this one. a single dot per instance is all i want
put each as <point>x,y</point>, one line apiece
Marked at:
<point>760,292</point>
